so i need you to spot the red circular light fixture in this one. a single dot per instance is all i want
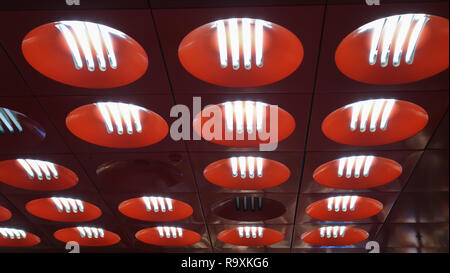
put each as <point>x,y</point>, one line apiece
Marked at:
<point>36,175</point>
<point>18,129</point>
<point>87,236</point>
<point>248,208</point>
<point>155,209</point>
<point>168,236</point>
<point>117,125</point>
<point>357,172</point>
<point>12,237</point>
<point>374,122</point>
<point>246,173</point>
<point>395,50</point>
<point>63,209</point>
<point>84,54</point>
<point>244,124</point>
<point>240,52</point>
<point>344,208</point>
<point>5,214</point>
<point>250,236</point>
<point>335,236</point>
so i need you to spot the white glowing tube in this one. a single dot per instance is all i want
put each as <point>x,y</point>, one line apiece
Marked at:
<point>174,232</point>
<point>136,117</point>
<point>358,166</point>
<point>13,118</point>
<point>356,108</point>
<point>167,231</point>
<point>389,30</point>
<point>239,114</point>
<point>342,162</point>
<point>94,35</point>
<point>405,24</point>
<point>247,42</point>
<point>329,232</point>
<point>146,200</point>
<point>330,203</point>
<point>337,203</point>
<point>260,107</point>
<point>367,165</point>
<point>160,231</point>
<point>345,201</point>
<point>249,110</point>
<point>6,122</point>
<point>88,232</point>
<point>26,167</point>
<point>35,168</point>
<point>162,204</point>
<point>234,166</point>
<point>82,232</point>
<point>342,231</point>
<point>259,166</point>
<point>125,112</point>
<point>366,107</point>
<point>180,232</point>
<point>52,169</point>
<point>70,40</point>
<point>222,41</point>
<point>375,114</point>
<point>105,32</point>
<point>65,203</point>
<point>350,163</point>
<point>247,232</point>
<point>414,37</point>
<point>322,232</point>
<point>169,203</point>
<point>115,112</point>
<point>44,169</point>
<point>335,231</point>
<point>154,201</point>
<point>254,234</point>
<point>229,115</point>
<point>101,232</point>
<point>386,113</point>
<point>241,232</point>
<point>259,42</point>
<point>377,30</point>
<point>234,41</point>
<point>58,204</point>
<point>260,232</point>
<point>106,117</point>
<point>353,200</point>
<point>242,166</point>
<point>95,232</point>
<point>80,32</point>
<point>251,166</point>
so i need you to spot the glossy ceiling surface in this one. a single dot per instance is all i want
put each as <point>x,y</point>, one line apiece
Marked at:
<point>87,153</point>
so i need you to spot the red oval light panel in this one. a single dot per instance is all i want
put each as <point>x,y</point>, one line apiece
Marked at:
<point>155,209</point>
<point>374,122</point>
<point>5,214</point>
<point>87,236</point>
<point>168,236</point>
<point>344,208</point>
<point>117,125</point>
<point>63,209</point>
<point>12,237</point>
<point>395,50</point>
<point>357,172</point>
<point>335,236</point>
<point>18,129</point>
<point>246,173</point>
<point>36,175</point>
<point>84,54</point>
<point>250,236</point>
<point>244,124</point>
<point>240,52</point>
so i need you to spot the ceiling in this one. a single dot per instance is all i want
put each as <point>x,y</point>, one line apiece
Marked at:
<point>415,213</point>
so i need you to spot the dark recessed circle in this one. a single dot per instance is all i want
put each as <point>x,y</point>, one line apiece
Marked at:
<point>250,209</point>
